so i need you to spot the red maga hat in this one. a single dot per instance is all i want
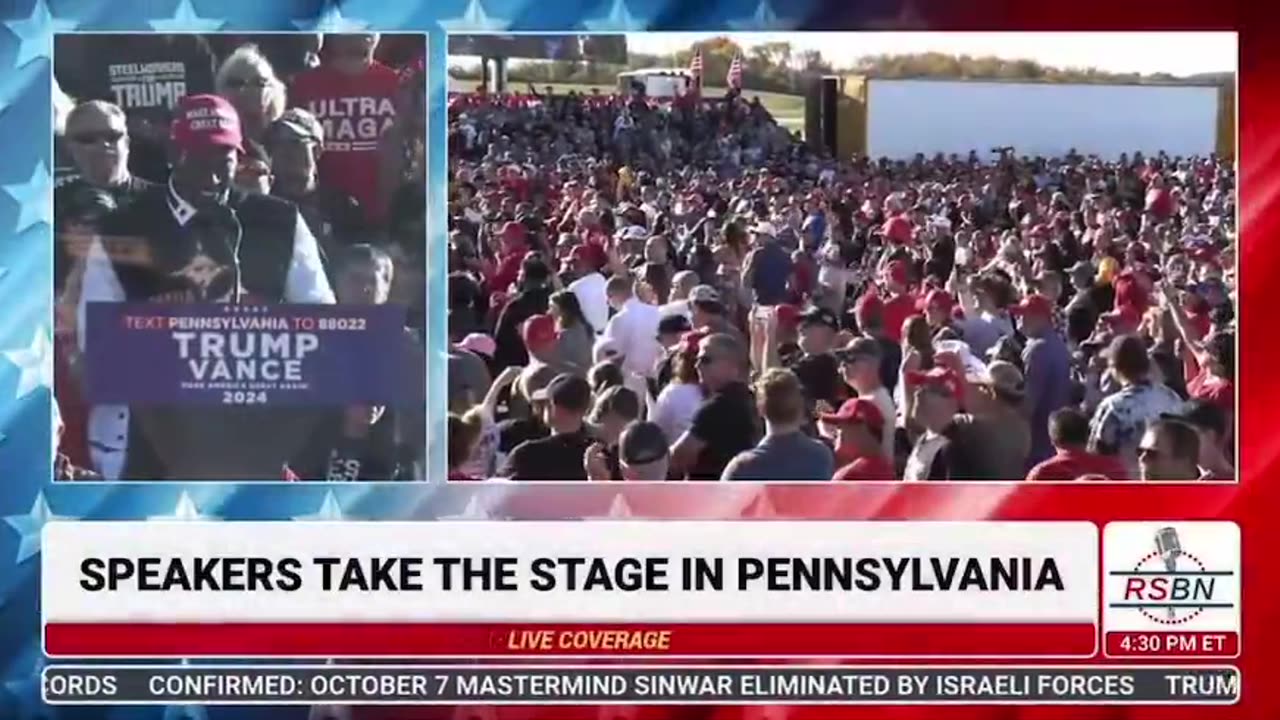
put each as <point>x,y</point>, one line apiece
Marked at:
<point>203,121</point>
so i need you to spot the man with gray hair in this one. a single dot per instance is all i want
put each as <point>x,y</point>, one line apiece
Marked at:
<point>682,283</point>
<point>726,423</point>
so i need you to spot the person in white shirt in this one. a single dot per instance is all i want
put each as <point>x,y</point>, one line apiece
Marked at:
<point>589,287</point>
<point>677,402</point>
<point>634,329</point>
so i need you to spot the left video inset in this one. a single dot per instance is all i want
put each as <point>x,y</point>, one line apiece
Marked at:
<point>239,257</point>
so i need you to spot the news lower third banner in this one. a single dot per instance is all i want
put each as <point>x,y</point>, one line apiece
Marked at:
<point>570,589</point>
<point>225,354</point>
<point>675,589</point>
<point>653,685</point>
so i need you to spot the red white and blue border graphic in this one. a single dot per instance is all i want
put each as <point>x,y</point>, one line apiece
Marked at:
<point>28,500</point>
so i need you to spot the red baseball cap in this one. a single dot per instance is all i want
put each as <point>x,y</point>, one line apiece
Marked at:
<point>538,331</point>
<point>868,307</point>
<point>940,299</point>
<point>898,229</point>
<point>788,315</point>
<point>1033,305</point>
<point>940,378</point>
<point>856,410</point>
<point>201,121</point>
<point>590,253</point>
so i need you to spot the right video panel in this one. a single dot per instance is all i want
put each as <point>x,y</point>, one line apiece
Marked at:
<point>842,256</point>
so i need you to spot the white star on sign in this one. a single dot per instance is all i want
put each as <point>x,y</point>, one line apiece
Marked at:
<point>330,509</point>
<point>764,18</point>
<point>34,363</point>
<point>29,526</point>
<point>619,18</point>
<point>185,19</point>
<point>35,33</point>
<point>184,511</point>
<point>474,18</point>
<point>35,202</point>
<point>332,21</point>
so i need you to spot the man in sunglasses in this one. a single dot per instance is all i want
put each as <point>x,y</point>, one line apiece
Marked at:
<point>726,423</point>
<point>98,142</point>
<point>204,241</point>
<point>98,137</point>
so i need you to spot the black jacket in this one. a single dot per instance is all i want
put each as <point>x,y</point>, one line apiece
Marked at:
<point>196,262</point>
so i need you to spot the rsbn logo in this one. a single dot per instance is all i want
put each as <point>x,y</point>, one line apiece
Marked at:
<point>1170,585</point>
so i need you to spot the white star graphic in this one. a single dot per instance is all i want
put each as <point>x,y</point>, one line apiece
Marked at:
<point>184,18</point>
<point>482,712</point>
<point>35,202</point>
<point>764,18</point>
<point>26,691</point>
<point>332,21</point>
<point>34,363</point>
<point>619,18</point>
<point>329,712</point>
<point>908,18</point>
<point>330,509</point>
<point>618,712</point>
<point>184,511</point>
<point>760,506</point>
<point>35,33</point>
<point>475,510</point>
<point>28,527</point>
<point>618,508</point>
<point>185,712</point>
<point>474,18</point>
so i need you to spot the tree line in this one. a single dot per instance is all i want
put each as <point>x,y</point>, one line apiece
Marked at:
<point>780,67</point>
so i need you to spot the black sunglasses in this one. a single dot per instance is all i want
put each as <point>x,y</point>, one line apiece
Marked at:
<point>98,137</point>
<point>242,83</point>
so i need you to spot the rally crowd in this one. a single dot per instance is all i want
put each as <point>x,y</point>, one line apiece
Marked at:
<point>277,168</point>
<point>667,290</point>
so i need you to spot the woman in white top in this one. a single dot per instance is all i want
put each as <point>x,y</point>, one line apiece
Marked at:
<point>674,409</point>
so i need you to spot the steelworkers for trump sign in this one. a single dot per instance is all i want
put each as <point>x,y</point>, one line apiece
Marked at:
<point>145,353</point>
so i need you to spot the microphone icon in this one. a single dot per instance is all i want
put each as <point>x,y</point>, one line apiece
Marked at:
<point>1169,548</point>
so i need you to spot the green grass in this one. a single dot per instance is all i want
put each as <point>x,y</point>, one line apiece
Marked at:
<point>787,109</point>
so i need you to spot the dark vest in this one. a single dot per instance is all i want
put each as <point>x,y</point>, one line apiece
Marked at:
<point>155,258</point>
<point>158,260</point>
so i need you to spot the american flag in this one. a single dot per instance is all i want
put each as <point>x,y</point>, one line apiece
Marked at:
<point>735,72</point>
<point>695,67</point>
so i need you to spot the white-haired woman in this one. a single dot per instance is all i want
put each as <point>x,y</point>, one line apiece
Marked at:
<point>248,81</point>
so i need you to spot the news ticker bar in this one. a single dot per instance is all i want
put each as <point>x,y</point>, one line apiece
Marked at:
<point>594,685</point>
